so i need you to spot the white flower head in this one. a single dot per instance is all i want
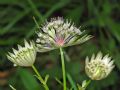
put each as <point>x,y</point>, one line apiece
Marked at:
<point>59,33</point>
<point>99,67</point>
<point>24,56</point>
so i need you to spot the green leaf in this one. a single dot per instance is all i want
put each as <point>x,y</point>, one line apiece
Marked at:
<point>56,6</point>
<point>59,81</point>
<point>28,80</point>
<point>71,81</point>
<point>46,78</point>
<point>75,14</point>
<point>79,87</point>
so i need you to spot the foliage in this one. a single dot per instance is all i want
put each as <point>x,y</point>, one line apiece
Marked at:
<point>99,17</point>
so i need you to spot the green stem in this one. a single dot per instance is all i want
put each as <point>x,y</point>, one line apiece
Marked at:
<point>63,69</point>
<point>35,10</point>
<point>12,87</point>
<point>88,82</point>
<point>40,77</point>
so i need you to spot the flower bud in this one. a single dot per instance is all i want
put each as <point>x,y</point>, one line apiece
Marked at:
<point>24,56</point>
<point>98,67</point>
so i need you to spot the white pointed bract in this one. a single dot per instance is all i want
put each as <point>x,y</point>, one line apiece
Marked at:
<point>24,56</point>
<point>59,33</point>
<point>99,67</point>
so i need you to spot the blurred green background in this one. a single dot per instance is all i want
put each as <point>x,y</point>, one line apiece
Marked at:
<point>100,18</point>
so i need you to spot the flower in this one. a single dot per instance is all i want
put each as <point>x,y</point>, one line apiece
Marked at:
<point>99,67</point>
<point>59,33</point>
<point>24,56</point>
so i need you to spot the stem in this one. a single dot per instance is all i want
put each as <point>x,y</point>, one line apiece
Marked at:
<point>63,69</point>
<point>40,77</point>
<point>88,82</point>
<point>12,87</point>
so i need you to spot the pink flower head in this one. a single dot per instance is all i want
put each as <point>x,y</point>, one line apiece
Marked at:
<point>59,41</point>
<point>59,33</point>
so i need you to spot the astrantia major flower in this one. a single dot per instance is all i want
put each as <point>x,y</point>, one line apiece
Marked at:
<point>99,67</point>
<point>59,33</point>
<point>24,56</point>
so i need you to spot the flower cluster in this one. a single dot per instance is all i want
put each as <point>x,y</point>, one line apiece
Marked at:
<point>56,34</point>
<point>98,67</point>
<point>24,56</point>
<point>59,33</point>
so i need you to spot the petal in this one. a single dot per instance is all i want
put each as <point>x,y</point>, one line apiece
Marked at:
<point>93,57</point>
<point>111,63</point>
<point>19,47</point>
<point>15,51</point>
<point>11,54</point>
<point>86,60</point>
<point>99,56</point>
<point>26,43</point>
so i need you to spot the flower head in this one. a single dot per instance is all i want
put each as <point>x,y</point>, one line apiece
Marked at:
<point>59,33</point>
<point>24,56</point>
<point>99,67</point>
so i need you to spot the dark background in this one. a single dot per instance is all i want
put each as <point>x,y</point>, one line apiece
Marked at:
<point>100,18</point>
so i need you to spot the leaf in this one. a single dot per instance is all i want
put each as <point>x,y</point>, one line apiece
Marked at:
<point>56,6</point>
<point>75,14</point>
<point>85,83</point>
<point>79,87</point>
<point>60,82</point>
<point>46,78</point>
<point>28,80</point>
<point>71,81</point>
<point>35,10</point>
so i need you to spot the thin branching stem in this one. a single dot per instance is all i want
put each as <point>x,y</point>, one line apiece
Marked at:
<point>40,78</point>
